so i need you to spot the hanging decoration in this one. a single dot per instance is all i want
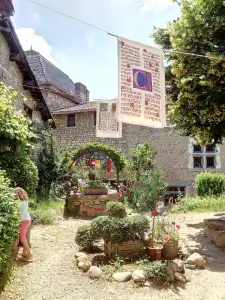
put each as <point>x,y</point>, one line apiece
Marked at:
<point>107,124</point>
<point>141,85</point>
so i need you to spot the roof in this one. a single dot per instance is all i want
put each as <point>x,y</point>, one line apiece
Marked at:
<point>89,106</point>
<point>18,56</point>
<point>48,74</point>
<point>6,7</point>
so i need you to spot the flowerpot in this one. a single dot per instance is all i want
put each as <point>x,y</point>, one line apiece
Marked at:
<point>126,249</point>
<point>170,250</point>
<point>154,253</point>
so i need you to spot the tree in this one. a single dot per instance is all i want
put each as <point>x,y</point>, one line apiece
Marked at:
<point>196,85</point>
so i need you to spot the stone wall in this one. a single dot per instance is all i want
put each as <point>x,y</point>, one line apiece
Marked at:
<point>172,150</point>
<point>55,101</point>
<point>11,76</point>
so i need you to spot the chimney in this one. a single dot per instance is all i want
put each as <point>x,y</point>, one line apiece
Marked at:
<point>81,92</point>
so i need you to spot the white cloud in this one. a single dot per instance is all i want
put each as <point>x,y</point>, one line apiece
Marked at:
<point>29,39</point>
<point>36,17</point>
<point>145,5</point>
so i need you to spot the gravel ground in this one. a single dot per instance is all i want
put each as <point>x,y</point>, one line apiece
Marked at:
<point>53,274</point>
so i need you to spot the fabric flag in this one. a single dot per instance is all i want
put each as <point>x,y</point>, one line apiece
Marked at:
<point>141,85</point>
<point>107,124</point>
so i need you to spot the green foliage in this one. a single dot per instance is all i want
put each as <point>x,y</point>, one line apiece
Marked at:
<point>199,204</point>
<point>96,184</point>
<point>148,192</point>
<point>9,226</point>
<point>45,212</point>
<point>195,85</point>
<point>14,126</point>
<point>45,158</point>
<point>84,238</point>
<point>20,169</point>
<point>119,229</point>
<point>156,269</point>
<point>210,184</point>
<point>116,209</point>
<point>143,159</point>
<point>115,155</point>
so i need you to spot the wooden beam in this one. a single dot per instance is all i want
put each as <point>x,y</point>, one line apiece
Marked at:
<point>16,57</point>
<point>28,83</point>
<point>5,29</point>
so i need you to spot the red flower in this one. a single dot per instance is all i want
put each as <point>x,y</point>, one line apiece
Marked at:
<point>167,238</point>
<point>178,226</point>
<point>154,213</point>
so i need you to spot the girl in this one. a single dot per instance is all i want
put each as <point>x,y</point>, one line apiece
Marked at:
<point>25,218</point>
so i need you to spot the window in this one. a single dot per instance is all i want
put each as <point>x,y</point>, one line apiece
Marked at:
<point>203,157</point>
<point>210,162</point>
<point>197,162</point>
<point>70,120</point>
<point>95,118</point>
<point>197,149</point>
<point>210,149</point>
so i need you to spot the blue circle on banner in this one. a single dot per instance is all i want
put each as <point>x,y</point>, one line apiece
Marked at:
<point>141,79</point>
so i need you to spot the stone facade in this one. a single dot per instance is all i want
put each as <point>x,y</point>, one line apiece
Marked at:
<point>172,149</point>
<point>11,76</point>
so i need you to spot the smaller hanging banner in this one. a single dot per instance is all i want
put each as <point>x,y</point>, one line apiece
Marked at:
<point>107,124</point>
<point>141,85</point>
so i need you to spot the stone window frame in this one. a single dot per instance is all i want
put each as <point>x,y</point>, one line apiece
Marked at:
<point>203,154</point>
<point>72,124</point>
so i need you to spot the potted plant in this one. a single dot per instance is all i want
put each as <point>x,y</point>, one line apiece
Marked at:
<point>95,187</point>
<point>154,249</point>
<point>170,246</point>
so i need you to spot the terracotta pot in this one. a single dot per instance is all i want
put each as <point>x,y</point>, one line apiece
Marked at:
<point>170,250</point>
<point>154,253</point>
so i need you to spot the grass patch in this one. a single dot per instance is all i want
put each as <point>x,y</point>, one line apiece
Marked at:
<point>199,204</point>
<point>46,212</point>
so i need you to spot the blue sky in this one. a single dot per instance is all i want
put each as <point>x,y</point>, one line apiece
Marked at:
<point>84,53</point>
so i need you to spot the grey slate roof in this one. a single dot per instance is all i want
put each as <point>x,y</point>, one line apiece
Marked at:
<point>48,74</point>
<point>89,106</point>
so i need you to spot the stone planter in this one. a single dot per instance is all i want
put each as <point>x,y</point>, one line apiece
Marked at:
<point>126,249</point>
<point>95,191</point>
<point>216,230</point>
<point>170,250</point>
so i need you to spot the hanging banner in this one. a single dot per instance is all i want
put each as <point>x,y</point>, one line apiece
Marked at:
<point>141,85</point>
<point>107,124</point>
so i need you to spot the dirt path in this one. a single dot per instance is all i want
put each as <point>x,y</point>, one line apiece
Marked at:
<point>53,274</point>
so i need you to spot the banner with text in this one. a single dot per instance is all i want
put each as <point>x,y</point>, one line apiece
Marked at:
<point>107,124</point>
<point>141,85</point>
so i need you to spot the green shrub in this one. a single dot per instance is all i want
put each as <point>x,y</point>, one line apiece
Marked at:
<point>84,238</point>
<point>119,229</point>
<point>199,204</point>
<point>156,269</point>
<point>20,169</point>
<point>9,225</point>
<point>116,209</point>
<point>96,184</point>
<point>210,184</point>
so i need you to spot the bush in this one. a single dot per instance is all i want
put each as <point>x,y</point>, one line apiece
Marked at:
<point>96,184</point>
<point>116,209</point>
<point>210,184</point>
<point>9,225</point>
<point>199,204</point>
<point>20,169</point>
<point>84,238</point>
<point>119,229</point>
<point>157,269</point>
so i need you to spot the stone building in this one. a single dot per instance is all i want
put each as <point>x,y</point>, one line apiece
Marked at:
<point>15,70</point>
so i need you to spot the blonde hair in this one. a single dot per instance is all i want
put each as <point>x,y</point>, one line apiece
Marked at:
<point>20,194</point>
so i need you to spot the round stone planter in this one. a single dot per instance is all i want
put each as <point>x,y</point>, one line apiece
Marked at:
<point>170,250</point>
